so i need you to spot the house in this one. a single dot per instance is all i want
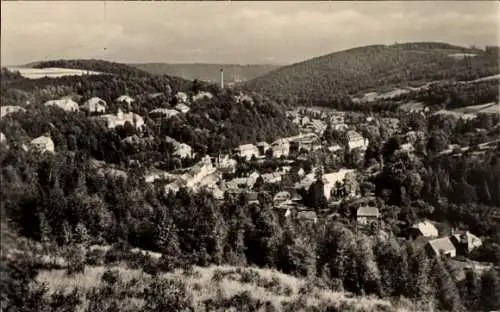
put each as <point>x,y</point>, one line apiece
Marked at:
<point>441,247</point>
<point>43,144</point>
<point>124,99</point>
<point>356,140</point>
<point>183,108</point>
<point>242,98</point>
<point>331,179</point>
<point>273,177</point>
<point>181,97</point>
<point>181,150</point>
<point>121,118</point>
<point>280,147</point>
<point>65,104</point>
<point>423,229</point>
<point>340,127</point>
<point>3,139</point>
<point>157,175</point>
<point>247,151</point>
<point>263,147</point>
<point>367,215</point>
<point>465,242</point>
<point>202,95</point>
<point>10,109</point>
<point>95,105</point>
<point>226,164</point>
<point>163,112</point>
<point>334,148</point>
<point>281,197</point>
<point>304,141</point>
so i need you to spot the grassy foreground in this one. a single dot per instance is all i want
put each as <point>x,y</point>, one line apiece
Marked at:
<point>220,288</point>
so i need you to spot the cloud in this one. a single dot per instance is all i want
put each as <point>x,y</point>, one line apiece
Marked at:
<point>231,32</point>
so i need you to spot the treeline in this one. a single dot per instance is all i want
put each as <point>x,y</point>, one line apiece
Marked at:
<point>59,200</point>
<point>358,70</point>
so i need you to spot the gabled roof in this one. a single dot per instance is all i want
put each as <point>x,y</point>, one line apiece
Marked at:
<point>442,244</point>
<point>245,147</point>
<point>470,238</point>
<point>124,98</point>
<point>353,135</point>
<point>426,228</point>
<point>183,108</point>
<point>367,211</point>
<point>42,140</point>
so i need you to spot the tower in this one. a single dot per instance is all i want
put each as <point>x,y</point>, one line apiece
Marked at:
<point>222,78</point>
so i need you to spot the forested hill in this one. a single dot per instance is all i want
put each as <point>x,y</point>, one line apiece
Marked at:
<point>208,72</point>
<point>215,124</point>
<point>369,68</point>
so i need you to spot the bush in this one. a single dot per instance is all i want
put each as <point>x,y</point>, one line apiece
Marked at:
<point>167,295</point>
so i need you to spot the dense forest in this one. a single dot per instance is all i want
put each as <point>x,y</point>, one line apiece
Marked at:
<point>372,68</point>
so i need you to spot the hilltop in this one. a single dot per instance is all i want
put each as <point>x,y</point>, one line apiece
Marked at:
<point>373,68</point>
<point>208,72</point>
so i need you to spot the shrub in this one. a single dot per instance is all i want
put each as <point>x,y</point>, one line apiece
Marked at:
<point>167,295</point>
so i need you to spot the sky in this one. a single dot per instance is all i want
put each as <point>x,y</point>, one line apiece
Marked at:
<point>232,32</point>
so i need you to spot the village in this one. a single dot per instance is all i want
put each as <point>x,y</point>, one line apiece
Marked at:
<point>280,173</point>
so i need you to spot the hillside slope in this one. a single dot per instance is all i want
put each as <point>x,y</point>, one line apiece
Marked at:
<point>230,288</point>
<point>212,125</point>
<point>369,68</point>
<point>208,72</point>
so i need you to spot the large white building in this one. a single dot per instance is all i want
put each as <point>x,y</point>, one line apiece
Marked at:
<point>121,118</point>
<point>95,105</point>
<point>247,151</point>
<point>65,104</point>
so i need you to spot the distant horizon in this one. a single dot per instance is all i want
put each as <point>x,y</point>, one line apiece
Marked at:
<point>221,32</point>
<point>242,64</point>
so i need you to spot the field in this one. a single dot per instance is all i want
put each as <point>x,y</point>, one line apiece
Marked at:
<point>491,108</point>
<point>36,73</point>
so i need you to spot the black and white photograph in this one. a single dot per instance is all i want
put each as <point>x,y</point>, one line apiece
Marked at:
<point>250,156</point>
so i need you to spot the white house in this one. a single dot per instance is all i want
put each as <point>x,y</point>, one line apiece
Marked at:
<point>183,150</point>
<point>425,229</point>
<point>356,140</point>
<point>202,95</point>
<point>280,147</point>
<point>43,144</point>
<point>121,118</point>
<point>247,151</point>
<point>183,108</point>
<point>65,104</point>
<point>10,109</point>
<point>95,105</point>
<point>181,97</point>
<point>163,112</point>
<point>180,149</point>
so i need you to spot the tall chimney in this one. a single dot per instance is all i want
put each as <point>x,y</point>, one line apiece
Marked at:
<point>222,78</point>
